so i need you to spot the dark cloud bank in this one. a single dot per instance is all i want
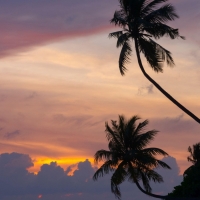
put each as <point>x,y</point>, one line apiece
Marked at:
<point>52,181</point>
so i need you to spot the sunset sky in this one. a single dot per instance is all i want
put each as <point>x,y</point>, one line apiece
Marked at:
<point>60,83</point>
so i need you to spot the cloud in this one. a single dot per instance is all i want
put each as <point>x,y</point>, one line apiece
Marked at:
<point>27,24</point>
<point>176,125</point>
<point>171,177</point>
<point>76,120</point>
<point>146,90</point>
<point>14,177</point>
<point>11,135</point>
<point>52,181</point>
<point>32,96</point>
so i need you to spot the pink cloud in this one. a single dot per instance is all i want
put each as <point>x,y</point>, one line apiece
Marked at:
<point>26,24</point>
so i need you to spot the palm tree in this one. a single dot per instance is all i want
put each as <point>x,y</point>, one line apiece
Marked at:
<point>194,157</point>
<point>141,21</point>
<point>127,156</point>
<point>194,153</point>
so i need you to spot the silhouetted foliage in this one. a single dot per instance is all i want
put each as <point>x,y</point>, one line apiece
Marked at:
<point>128,158</point>
<point>190,187</point>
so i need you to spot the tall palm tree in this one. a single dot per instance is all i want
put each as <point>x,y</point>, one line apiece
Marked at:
<point>141,21</point>
<point>127,156</point>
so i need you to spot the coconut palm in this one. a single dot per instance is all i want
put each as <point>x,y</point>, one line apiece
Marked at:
<point>128,157</point>
<point>194,153</point>
<point>194,157</point>
<point>142,22</point>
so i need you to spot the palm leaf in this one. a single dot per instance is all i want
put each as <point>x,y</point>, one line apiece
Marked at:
<point>149,49</point>
<point>145,182</point>
<point>150,5</point>
<point>154,151</point>
<point>116,34</point>
<point>145,138</point>
<point>112,136</point>
<point>124,57</point>
<point>165,54</point>
<point>140,127</point>
<point>163,164</point>
<point>158,30</point>
<point>117,178</point>
<point>102,155</point>
<point>107,167</point>
<point>122,39</point>
<point>163,14</point>
<point>152,175</point>
<point>119,18</point>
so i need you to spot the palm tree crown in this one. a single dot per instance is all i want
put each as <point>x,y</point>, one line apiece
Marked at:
<point>142,22</point>
<point>194,153</point>
<point>127,156</point>
<point>194,157</point>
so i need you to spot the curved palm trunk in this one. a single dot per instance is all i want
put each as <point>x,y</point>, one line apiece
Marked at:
<point>161,89</point>
<point>150,194</point>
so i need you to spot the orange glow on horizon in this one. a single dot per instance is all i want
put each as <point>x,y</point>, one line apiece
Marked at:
<point>63,162</point>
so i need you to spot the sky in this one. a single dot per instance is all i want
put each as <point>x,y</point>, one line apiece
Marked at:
<point>60,83</point>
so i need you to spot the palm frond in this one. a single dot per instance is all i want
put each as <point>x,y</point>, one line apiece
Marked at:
<point>163,164</point>
<point>107,167</point>
<point>132,122</point>
<point>129,130</point>
<point>151,53</point>
<point>145,182</point>
<point>119,18</point>
<point>165,54</point>
<point>117,178</point>
<point>122,39</point>
<point>158,30</point>
<point>140,127</point>
<point>145,138</point>
<point>154,151</point>
<point>116,34</point>
<point>124,57</point>
<point>133,173</point>
<point>102,155</point>
<point>150,5</point>
<point>154,176</point>
<point>163,14</point>
<point>145,161</point>
<point>115,189</point>
<point>111,135</point>
<point>121,127</point>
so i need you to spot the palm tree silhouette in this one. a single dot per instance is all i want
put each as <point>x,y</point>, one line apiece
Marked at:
<point>194,153</point>
<point>142,22</point>
<point>194,157</point>
<point>127,156</point>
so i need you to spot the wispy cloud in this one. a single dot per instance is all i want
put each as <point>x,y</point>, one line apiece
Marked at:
<point>146,90</point>
<point>28,24</point>
<point>11,135</point>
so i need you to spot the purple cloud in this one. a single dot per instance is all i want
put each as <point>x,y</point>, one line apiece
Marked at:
<point>28,23</point>
<point>11,135</point>
<point>52,181</point>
